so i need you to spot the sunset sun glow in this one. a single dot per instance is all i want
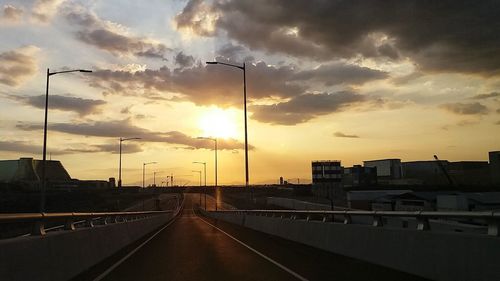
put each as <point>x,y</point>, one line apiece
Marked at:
<point>218,123</point>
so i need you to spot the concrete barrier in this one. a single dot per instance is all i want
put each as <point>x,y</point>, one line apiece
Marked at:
<point>62,255</point>
<point>431,254</point>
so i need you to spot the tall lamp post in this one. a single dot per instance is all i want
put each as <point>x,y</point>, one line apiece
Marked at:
<point>120,164</point>
<point>215,142</point>
<point>144,172</point>
<point>44,160</point>
<point>205,174</point>
<point>154,178</point>
<point>245,111</point>
<point>200,182</point>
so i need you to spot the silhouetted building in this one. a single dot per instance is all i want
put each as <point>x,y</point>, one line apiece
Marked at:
<point>387,169</point>
<point>425,172</point>
<point>494,157</point>
<point>327,179</point>
<point>30,170</point>
<point>359,176</point>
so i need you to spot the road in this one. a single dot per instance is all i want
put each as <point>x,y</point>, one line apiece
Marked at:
<point>197,248</point>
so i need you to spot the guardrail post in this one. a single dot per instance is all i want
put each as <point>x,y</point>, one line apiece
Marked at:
<point>38,228</point>
<point>493,228</point>
<point>70,224</point>
<point>347,219</point>
<point>89,222</point>
<point>423,223</point>
<point>377,221</point>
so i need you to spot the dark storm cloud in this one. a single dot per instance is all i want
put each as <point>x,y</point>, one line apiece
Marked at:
<point>342,135</point>
<point>486,96</point>
<point>465,108</point>
<point>102,35</point>
<point>306,107</point>
<point>65,103</point>
<point>123,128</point>
<point>184,60</point>
<point>449,35</point>
<point>17,65</point>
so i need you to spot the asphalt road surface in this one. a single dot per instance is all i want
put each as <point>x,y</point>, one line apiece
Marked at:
<point>197,248</point>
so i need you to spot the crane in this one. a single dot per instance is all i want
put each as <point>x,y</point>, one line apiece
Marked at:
<point>443,169</point>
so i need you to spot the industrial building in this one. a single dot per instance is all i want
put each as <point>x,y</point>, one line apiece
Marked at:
<point>387,169</point>
<point>327,179</point>
<point>358,176</point>
<point>28,171</point>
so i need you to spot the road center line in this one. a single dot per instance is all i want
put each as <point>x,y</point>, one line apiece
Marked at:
<point>296,275</point>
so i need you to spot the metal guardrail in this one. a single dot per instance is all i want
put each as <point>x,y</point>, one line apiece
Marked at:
<point>70,220</point>
<point>489,218</point>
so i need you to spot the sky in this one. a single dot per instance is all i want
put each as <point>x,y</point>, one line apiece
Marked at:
<point>345,80</point>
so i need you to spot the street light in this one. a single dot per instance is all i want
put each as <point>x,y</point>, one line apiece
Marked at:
<point>120,165</point>
<point>200,182</point>
<point>44,160</point>
<point>245,111</point>
<point>144,171</point>
<point>215,142</point>
<point>154,178</point>
<point>205,174</point>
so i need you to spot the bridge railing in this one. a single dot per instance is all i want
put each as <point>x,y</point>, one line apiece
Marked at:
<point>71,221</point>
<point>491,219</point>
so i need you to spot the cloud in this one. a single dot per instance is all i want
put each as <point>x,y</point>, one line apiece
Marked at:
<point>65,103</point>
<point>465,108</point>
<point>197,17</point>
<point>111,37</point>
<point>124,128</point>
<point>11,13</point>
<point>222,86</point>
<point>340,73</point>
<point>306,107</point>
<point>20,146</point>
<point>44,10</point>
<point>17,65</point>
<point>184,60</point>
<point>452,36</point>
<point>27,147</point>
<point>486,96</point>
<point>342,135</point>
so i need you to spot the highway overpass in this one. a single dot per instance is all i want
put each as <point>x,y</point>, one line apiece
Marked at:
<point>189,244</point>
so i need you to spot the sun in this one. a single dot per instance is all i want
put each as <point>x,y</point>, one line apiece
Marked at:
<point>218,123</point>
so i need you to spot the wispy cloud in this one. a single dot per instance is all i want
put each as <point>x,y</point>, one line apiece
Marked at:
<point>18,65</point>
<point>110,37</point>
<point>342,135</point>
<point>486,96</point>
<point>65,103</point>
<point>465,108</point>
<point>12,14</point>
<point>123,128</point>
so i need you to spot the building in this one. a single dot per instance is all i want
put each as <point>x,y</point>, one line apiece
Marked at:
<point>327,179</point>
<point>359,176</point>
<point>494,157</point>
<point>30,170</point>
<point>387,169</point>
<point>425,172</point>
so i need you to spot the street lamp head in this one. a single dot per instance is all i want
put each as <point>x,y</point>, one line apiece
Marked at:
<point>212,62</point>
<point>85,70</point>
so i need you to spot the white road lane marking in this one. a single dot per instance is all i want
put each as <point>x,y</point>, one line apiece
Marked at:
<point>296,275</point>
<point>105,273</point>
